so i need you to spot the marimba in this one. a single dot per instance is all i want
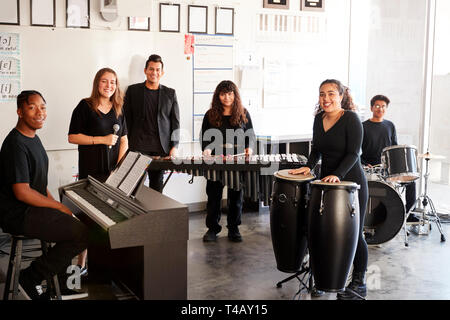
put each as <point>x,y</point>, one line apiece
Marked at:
<point>253,174</point>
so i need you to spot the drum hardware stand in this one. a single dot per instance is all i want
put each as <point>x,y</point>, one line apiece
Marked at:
<point>401,189</point>
<point>431,215</point>
<point>303,285</point>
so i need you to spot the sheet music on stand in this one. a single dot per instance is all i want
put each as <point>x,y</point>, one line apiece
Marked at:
<point>129,173</point>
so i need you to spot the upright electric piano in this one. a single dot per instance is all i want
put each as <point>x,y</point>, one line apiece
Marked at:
<point>137,238</point>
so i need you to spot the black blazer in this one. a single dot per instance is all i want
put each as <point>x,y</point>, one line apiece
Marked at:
<point>168,116</point>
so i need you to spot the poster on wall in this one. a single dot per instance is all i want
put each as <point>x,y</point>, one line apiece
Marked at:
<point>9,66</point>
<point>9,89</point>
<point>9,43</point>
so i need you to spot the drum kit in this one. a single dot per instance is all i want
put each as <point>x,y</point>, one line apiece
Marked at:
<point>315,225</point>
<point>386,214</point>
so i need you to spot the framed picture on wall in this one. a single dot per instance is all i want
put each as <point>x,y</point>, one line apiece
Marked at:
<point>139,23</point>
<point>197,19</point>
<point>224,21</point>
<point>276,4</point>
<point>312,5</point>
<point>9,12</point>
<point>77,13</point>
<point>43,13</point>
<point>169,17</point>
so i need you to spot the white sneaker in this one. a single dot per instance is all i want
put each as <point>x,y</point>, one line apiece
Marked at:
<point>68,294</point>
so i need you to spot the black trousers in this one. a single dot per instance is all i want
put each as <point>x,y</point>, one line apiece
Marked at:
<point>410,196</point>
<point>69,235</point>
<point>362,253</point>
<point>156,179</point>
<point>214,191</point>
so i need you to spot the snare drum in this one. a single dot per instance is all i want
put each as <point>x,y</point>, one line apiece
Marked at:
<point>333,230</point>
<point>288,219</point>
<point>400,163</point>
<point>374,173</point>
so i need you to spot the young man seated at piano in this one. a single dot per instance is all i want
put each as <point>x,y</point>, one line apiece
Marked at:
<point>26,206</point>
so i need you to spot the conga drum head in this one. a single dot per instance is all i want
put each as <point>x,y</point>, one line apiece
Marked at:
<point>284,174</point>
<point>342,184</point>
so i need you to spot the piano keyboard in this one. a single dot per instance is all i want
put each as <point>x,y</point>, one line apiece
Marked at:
<point>97,210</point>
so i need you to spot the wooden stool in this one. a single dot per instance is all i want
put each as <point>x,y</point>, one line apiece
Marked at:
<point>14,265</point>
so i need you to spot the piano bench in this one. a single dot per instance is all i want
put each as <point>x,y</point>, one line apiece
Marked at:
<point>14,267</point>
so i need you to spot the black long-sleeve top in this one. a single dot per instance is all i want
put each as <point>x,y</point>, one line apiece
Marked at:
<point>239,137</point>
<point>377,136</point>
<point>339,147</point>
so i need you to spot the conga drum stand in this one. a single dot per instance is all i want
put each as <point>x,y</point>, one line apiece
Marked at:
<point>304,284</point>
<point>428,215</point>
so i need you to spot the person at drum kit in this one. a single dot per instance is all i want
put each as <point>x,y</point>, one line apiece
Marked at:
<point>337,139</point>
<point>380,133</point>
<point>226,118</point>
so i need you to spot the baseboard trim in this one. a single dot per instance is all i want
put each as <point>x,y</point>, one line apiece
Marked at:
<point>201,206</point>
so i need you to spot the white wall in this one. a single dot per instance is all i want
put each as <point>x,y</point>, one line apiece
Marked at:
<point>61,63</point>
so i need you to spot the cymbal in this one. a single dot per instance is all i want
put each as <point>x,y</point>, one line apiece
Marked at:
<point>430,156</point>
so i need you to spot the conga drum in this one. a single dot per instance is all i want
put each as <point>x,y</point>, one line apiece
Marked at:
<point>288,219</point>
<point>333,228</point>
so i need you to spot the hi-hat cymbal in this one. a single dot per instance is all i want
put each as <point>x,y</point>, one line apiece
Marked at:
<point>430,156</point>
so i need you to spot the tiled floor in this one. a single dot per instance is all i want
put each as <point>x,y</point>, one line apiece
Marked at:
<point>247,271</point>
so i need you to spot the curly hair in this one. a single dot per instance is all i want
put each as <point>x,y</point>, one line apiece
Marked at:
<point>215,113</point>
<point>347,100</point>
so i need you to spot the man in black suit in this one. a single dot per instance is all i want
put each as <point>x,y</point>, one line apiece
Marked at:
<point>153,117</point>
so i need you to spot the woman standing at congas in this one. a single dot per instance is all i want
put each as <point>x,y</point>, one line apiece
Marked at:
<point>337,139</point>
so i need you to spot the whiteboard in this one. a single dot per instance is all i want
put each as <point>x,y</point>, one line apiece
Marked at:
<point>61,64</point>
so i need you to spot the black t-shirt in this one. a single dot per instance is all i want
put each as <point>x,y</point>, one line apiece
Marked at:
<point>234,139</point>
<point>377,136</point>
<point>22,160</point>
<point>96,160</point>
<point>149,138</point>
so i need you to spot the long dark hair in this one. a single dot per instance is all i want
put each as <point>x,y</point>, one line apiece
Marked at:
<point>347,100</point>
<point>216,112</point>
<point>116,99</point>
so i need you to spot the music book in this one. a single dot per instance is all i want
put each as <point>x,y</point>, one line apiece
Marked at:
<point>129,172</point>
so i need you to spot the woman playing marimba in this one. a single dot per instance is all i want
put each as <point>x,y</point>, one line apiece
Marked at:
<point>227,130</point>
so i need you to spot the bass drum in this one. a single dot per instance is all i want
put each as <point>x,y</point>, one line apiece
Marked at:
<point>385,213</point>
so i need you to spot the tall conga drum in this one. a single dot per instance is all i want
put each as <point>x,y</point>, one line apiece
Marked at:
<point>288,219</point>
<point>333,228</point>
